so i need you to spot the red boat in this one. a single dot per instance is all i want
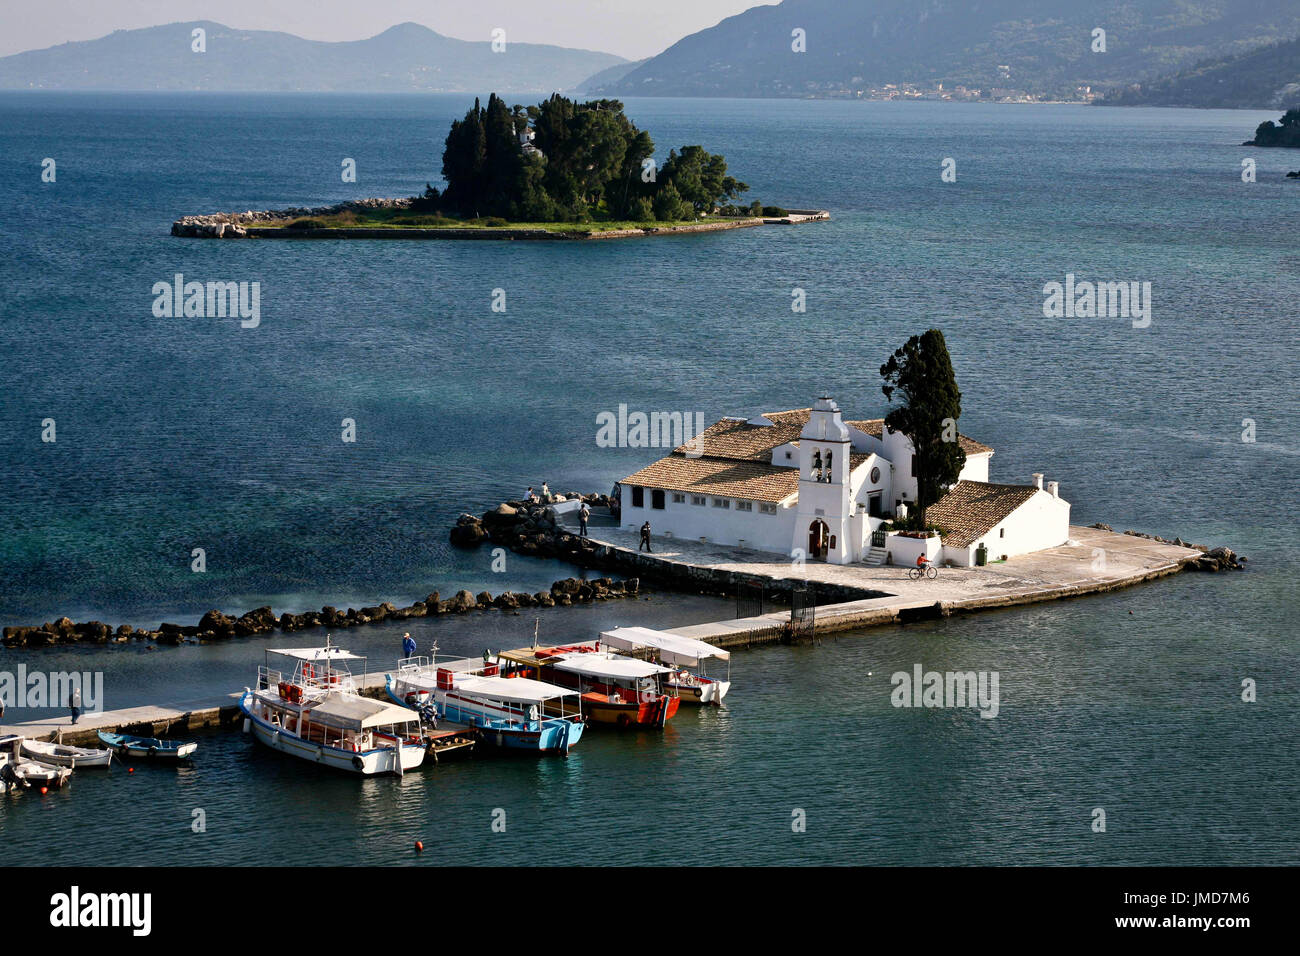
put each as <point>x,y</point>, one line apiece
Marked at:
<point>615,689</point>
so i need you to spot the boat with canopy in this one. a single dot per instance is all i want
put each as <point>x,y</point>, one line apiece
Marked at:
<point>317,715</point>
<point>514,711</point>
<point>680,653</point>
<point>614,689</point>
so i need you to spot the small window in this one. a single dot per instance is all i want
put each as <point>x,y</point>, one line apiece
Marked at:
<point>722,502</point>
<point>697,499</point>
<point>788,456</point>
<point>638,497</point>
<point>1002,532</point>
<point>657,498</point>
<point>679,499</point>
<point>744,506</point>
<point>766,509</point>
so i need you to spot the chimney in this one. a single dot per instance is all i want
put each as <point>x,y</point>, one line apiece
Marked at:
<point>1038,480</point>
<point>1054,489</point>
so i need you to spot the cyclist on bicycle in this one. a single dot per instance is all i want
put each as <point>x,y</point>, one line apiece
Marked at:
<point>922,561</point>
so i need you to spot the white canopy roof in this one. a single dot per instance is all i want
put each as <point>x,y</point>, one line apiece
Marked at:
<point>520,690</point>
<point>672,648</point>
<point>328,653</point>
<point>608,665</point>
<point>351,712</point>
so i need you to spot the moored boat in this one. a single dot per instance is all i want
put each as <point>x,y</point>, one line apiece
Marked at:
<point>150,748</point>
<point>680,653</point>
<point>63,755</point>
<point>614,689</point>
<point>17,771</point>
<point>515,712</point>
<point>316,714</point>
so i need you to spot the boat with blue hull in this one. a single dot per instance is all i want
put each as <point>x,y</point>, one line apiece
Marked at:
<point>512,712</point>
<point>151,748</point>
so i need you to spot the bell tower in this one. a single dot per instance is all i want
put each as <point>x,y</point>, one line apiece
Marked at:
<point>821,529</point>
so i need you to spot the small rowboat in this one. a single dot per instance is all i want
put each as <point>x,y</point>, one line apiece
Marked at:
<point>63,755</point>
<point>41,775</point>
<point>154,748</point>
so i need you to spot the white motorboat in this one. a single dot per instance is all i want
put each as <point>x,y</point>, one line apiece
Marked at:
<point>678,653</point>
<point>317,715</point>
<point>63,755</point>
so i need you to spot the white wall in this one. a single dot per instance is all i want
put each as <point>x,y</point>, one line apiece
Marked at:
<point>904,551</point>
<point>762,532</point>
<point>1041,522</point>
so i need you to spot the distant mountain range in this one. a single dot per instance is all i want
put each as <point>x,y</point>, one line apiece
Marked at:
<point>1043,47</point>
<point>404,58</point>
<point>1265,78</point>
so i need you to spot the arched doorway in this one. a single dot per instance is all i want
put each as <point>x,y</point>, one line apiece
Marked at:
<point>819,540</point>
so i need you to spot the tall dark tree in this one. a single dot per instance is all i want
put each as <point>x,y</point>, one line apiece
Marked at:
<point>462,163</point>
<point>701,178</point>
<point>920,374</point>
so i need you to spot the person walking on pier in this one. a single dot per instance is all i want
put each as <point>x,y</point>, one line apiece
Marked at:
<point>645,538</point>
<point>408,645</point>
<point>74,703</point>
<point>583,514</point>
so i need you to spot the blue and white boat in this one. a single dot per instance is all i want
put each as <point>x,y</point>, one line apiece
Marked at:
<point>514,712</point>
<point>151,748</point>
<point>317,715</point>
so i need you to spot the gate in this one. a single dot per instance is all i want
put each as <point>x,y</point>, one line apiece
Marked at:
<point>749,599</point>
<point>803,613</point>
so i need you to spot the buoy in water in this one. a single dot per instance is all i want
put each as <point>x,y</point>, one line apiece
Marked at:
<point>419,846</point>
<point>44,790</point>
<point>130,769</point>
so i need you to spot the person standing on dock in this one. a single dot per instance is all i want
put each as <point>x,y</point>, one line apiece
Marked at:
<point>546,492</point>
<point>583,514</point>
<point>645,538</point>
<point>74,703</point>
<point>408,645</point>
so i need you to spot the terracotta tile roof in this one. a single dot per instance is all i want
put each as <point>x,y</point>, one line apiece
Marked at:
<point>971,509</point>
<point>736,438</point>
<point>724,477</point>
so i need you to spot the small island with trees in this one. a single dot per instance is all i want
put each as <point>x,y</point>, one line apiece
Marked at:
<point>1285,133</point>
<point>559,170</point>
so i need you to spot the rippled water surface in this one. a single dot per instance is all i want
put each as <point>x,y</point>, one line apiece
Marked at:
<point>184,433</point>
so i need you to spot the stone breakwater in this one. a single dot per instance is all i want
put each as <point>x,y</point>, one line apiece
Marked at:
<point>234,225</point>
<point>216,626</point>
<point>1212,559</point>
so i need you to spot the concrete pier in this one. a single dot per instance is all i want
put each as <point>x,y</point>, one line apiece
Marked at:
<point>1095,562</point>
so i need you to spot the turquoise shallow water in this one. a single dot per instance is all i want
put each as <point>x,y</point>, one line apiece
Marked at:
<point>174,434</point>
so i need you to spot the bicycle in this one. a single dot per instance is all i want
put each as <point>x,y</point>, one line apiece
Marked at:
<point>929,571</point>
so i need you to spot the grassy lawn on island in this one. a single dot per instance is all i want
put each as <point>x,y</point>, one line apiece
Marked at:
<point>400,219</point>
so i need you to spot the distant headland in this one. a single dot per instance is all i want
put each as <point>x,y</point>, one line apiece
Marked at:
<point>558,170</point>
<point>1285,133</point>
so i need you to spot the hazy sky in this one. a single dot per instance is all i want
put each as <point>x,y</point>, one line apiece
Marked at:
<point>630,28</point>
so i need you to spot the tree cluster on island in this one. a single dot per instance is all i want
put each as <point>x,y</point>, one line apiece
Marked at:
<point>565,161</point>
<point>1287,133</point>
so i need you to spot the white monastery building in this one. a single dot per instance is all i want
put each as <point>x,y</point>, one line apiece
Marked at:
<point>805,482</point>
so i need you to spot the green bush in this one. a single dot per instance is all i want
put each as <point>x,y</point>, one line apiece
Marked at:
<point>774,212</point>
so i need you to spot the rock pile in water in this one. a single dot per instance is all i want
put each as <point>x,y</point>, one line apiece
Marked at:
<point>1212,559</point>
<point>231,225</point>
<point>216,626</point>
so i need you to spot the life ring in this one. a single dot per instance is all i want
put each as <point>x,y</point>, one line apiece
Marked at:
<point>358,763</point>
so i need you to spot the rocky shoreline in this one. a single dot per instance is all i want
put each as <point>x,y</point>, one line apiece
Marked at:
<point>270,223</point>
<point>1212,559</point>
<point>234,225</point>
